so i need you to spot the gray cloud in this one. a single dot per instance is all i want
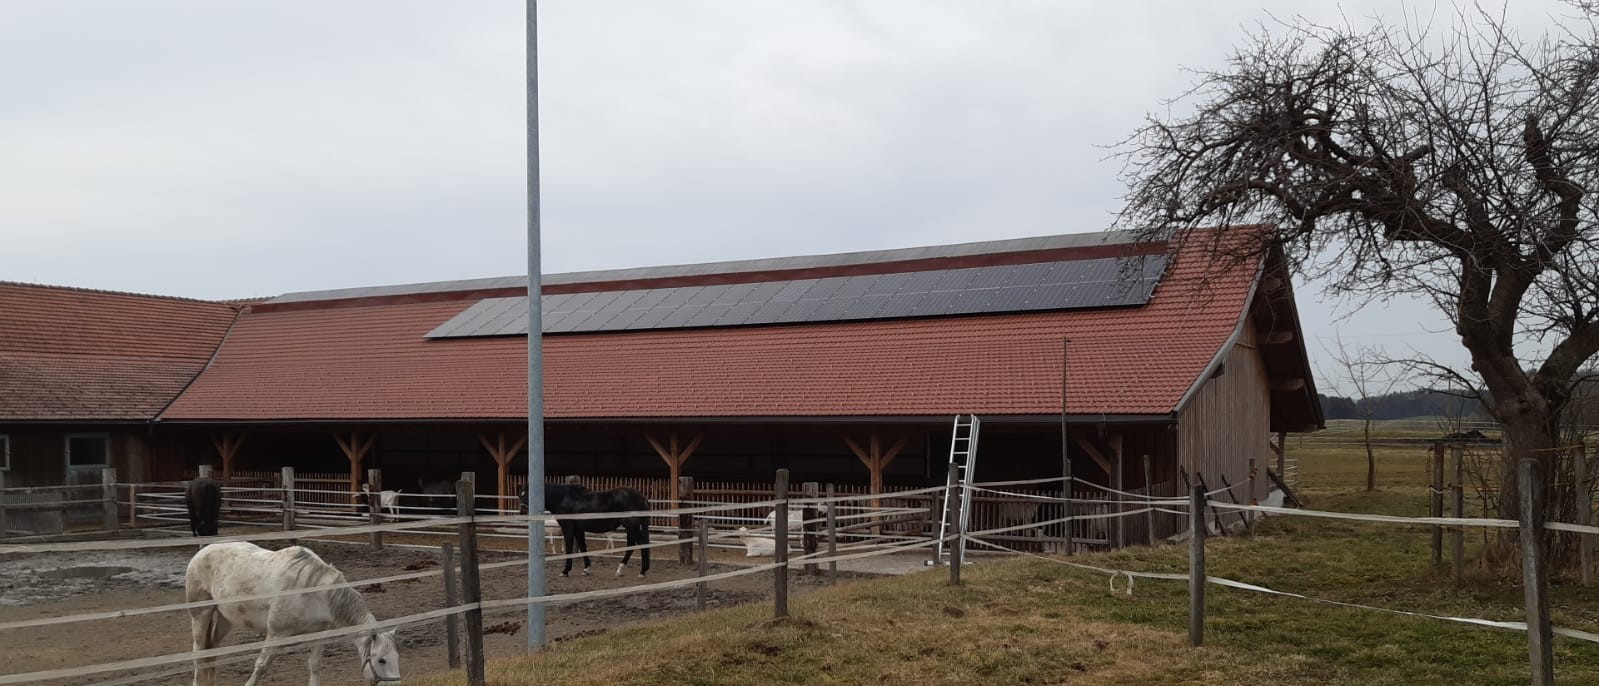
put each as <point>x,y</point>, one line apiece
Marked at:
<point>232,149</point>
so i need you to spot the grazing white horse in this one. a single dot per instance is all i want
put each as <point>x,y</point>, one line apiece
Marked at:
<point>228,570</point>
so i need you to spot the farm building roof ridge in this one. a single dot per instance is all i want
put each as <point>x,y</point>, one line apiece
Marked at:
<point>131,294</point>
<point>752,268</point>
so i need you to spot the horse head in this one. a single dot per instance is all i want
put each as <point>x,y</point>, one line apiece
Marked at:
<point>380,657</point>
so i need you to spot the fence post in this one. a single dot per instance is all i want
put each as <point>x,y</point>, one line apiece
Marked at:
<point>1579,465</point>
<point>685,523</point>
<point>1068,536</point>
<point>810,490</point>
<point>702,534</point>
<point>452,623</point>
<point>1196,567</point>
<point>1437,503</point>
<point>1149,493</point>
<point>780,551</point>
<point>374,504</point>
<point>108,498</point>
<point>832,533</point>
<point>204,471</point>
<point>1535,576</point>
<point>3,530</point>
<point>465,506</point>
<point>1459,454</point>
<point>952,525</point>
<point>288,498</point>
<point>1251,500</point>
<point>133,506</point>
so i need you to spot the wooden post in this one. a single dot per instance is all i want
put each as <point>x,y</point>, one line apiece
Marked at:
<point>227,446</point>
<point>685,523</point>
<point>1196,567</point>
<point>780,552</point>
<point>1249,516</point>
<point>452,623</point>
<point>108,498</point>
<point>465,506</point>
<point>952,521</point>
<point>374,504</point>
<point>876,460</point>
<point>3,530</point>
<point>205,471</point>
<point>133,506</point>
<point>1535,576</point>
<point>355,450</point>
<point>1436,504</point>
<point>1579,465</point>
<point>810,490</point>
<point>1069,534</point>
<point>674,455</point>
<point>1149,492</point>
<point>832,533</point>
<point>702,534</point>
<point>1459,454</point>
<point>288,498</point>
<point>1121,482</point>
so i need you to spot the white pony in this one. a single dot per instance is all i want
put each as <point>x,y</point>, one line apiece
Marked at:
<point>228,570</point>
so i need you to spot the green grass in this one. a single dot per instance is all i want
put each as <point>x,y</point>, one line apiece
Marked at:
<point>1037,622</point>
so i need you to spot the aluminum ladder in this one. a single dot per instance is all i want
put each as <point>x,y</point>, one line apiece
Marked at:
<point>963,455</point>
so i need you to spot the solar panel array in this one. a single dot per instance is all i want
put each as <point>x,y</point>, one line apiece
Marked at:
<point>1068,285</point>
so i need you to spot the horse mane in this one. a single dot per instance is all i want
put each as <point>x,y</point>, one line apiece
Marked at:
<point>307,570</point>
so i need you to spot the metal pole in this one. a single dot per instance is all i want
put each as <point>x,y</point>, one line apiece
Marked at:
<point>810,490</point>
<point>1065,454</point>
<point>1535,576</point>
<point>1196,567</point>
<point>535,345</point>
<point>952,515</point>
<point>832,534</point>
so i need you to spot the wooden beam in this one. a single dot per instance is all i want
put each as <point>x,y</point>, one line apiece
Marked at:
<point>227,445</point>
<point>674,454</point>
<point>1287,384</point>
<point>1094,453</point>
<point>1277,337</point>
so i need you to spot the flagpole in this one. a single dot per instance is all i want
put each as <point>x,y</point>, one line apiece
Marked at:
<point>535,345</point>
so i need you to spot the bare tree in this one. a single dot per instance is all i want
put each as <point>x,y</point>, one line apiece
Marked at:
<point>1368,375</point>
<point>1454,165</point>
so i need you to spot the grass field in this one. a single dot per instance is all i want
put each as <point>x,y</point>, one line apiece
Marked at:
<point>1034,621</point>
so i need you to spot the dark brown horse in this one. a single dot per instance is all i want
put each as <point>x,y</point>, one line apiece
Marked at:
<point>204,500</point>
<point>579,500</point>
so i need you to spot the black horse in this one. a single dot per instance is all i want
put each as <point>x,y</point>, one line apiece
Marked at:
<point>204,500</point>
<point>574,499</point>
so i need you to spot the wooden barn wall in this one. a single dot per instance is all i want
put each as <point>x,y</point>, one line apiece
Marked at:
<point>1228,421</point>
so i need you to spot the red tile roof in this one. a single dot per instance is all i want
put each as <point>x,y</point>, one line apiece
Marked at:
<point>76,354</point>
<point>355,361</point>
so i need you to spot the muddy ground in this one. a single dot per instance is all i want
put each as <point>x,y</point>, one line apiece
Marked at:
<point>50,585</point>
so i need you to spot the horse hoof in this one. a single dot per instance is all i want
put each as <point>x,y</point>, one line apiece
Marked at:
<point>641,575</point>
<point>620,569</point>
<point>564,574</point>
<point>585,572</point>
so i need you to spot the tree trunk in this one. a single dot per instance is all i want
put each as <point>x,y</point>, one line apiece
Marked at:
<point>1371,460</point>
<point>1528,435</point>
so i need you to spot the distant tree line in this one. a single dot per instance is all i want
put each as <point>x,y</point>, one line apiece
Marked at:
<point>1584,408</point>
<point>1403,405</point>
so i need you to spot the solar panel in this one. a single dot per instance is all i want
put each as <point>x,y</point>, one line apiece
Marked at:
<point>1066,285</point>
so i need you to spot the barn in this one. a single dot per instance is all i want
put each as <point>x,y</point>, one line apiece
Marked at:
<point>843,368</point>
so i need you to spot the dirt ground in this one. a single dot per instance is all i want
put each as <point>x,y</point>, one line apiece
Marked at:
<point>49,585</point>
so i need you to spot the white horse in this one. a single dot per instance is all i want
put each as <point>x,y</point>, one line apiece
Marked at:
<point>227,570</point>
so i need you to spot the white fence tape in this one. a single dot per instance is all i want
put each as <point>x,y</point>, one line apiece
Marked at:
<point>1387,519</point>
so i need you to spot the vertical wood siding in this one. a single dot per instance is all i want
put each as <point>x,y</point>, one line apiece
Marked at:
<point>1229,421</point>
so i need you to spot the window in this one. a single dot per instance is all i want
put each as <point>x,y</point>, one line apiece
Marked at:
<point>88,450</point>
<point>5,453</point>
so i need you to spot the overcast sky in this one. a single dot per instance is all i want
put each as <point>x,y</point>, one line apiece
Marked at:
<point>221,150</point>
